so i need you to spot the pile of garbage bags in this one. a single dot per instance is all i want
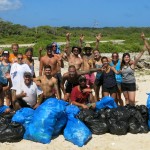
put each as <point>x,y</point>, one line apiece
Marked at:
<point>55,117</point>
<point>117,121</point>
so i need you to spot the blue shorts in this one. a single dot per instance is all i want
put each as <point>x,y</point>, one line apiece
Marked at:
<point>3,108</point>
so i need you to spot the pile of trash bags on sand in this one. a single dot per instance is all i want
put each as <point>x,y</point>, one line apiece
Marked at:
<point>55,117</point>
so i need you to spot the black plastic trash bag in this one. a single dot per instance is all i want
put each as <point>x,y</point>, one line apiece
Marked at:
<point>118,127</point>
<point>118,120</point>
<point>137,124</point>
<point>12,132</point>
<point>138,119</point>
<point>144,112</point>
<point>95,121</point>
<point>85,113</point>
<point>3,120</point>
<point>96,125</point>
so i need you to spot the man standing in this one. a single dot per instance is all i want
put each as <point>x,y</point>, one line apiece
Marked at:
<point>73,56</point>
<point>55,61</point>
<point>28,92</point>
<point>13,55</point>
<point>87,60</point>
<point>50,59</point>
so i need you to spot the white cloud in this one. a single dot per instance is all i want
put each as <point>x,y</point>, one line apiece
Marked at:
<point>9,4</point>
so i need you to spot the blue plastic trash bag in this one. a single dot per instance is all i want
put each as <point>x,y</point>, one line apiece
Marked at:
<point>44,119</point>
<point>23,116</point>
<point>106,102</point>
<point>76,131</point>
<point>60,124</point>
<point>72,110</point>
<point>148,100</point>
<point>148,106</point>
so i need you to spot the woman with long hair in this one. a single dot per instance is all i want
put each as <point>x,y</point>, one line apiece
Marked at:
<point>128,84</point>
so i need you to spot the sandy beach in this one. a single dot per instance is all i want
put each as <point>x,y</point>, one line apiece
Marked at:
<point>98,142</point>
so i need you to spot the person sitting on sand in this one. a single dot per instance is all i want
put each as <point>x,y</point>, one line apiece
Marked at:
<point>81,95</point>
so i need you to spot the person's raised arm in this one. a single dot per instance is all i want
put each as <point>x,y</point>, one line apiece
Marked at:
<point>68,50</point>
<point>138,56</point>
<point>81,41</point>
<point>98,38</point>
<point>145,42</point>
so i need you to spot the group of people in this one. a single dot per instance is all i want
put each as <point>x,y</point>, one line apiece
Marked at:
<point>88,72</point>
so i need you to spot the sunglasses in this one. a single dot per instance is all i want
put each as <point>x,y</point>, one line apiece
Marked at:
<point>54,46</point>
<point>5,55</point>
<point>20,58</point>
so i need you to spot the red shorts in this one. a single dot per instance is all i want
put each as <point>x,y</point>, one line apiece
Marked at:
<point>90,78</point>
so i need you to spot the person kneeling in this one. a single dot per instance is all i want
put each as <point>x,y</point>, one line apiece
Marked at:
<point>81,95</point>
<point>27,92</point>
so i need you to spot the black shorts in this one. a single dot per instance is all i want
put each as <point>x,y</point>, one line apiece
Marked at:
<point>128,87</point>
<point>69,87</point>
<point>98,82</point>
<point>110,90</point>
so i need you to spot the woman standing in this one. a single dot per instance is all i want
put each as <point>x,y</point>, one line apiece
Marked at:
<point>109,84</point>
<point>116,63</point>
<point>5,67</point>
<point>128,84</point>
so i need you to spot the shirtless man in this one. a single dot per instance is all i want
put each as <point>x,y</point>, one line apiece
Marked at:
<point>72,79</point>
<point>73,56</point>
<point>56,63</point>
<point>87,57</point>
<point>48,84</point>
<point>50,59</point>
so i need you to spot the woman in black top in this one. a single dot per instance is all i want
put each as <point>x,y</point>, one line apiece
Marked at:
<point>109,84</point>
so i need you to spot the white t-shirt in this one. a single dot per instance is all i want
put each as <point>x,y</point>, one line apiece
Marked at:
<point>32,92</point>
<point>17,72</point>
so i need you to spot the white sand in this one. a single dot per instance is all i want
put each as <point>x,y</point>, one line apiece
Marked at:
<point>98,142</point>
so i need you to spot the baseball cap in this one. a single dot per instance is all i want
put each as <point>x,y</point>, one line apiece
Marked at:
<point>27,74</point>
<point>5,53</point>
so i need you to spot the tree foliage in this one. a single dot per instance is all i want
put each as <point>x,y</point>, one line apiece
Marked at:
<point>43,35</point>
